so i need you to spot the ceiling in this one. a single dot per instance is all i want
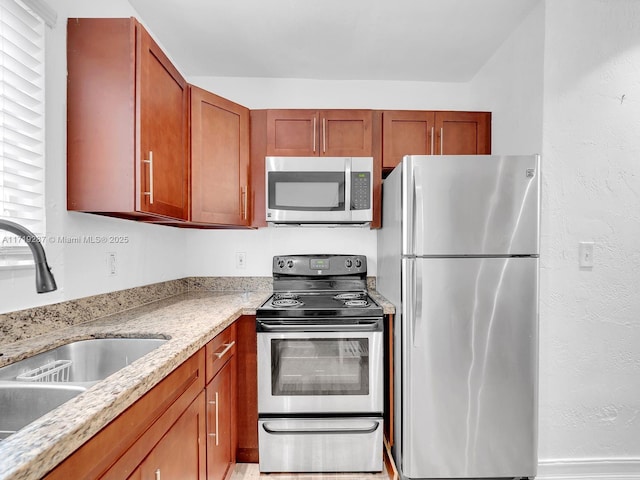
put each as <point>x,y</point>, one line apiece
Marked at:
<point>412,40</point>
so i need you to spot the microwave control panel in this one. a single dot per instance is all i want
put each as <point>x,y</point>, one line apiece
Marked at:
<point>360,190</point>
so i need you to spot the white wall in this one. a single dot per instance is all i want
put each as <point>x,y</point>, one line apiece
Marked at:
<point>152,254</point>
<point>510,86</point>
<point>590,369</point>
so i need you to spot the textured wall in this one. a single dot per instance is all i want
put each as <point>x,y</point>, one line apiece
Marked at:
<point>590,318</point>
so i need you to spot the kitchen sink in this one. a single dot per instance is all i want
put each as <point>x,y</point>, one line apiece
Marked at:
<point>81,361</point>
<point>23,402</point>
<point>36,385</point>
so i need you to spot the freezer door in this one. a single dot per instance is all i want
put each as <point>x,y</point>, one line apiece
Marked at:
<point>469,375</point>
<point>471,205</point>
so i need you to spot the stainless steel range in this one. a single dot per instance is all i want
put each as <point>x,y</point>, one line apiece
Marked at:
<point>320,384</point>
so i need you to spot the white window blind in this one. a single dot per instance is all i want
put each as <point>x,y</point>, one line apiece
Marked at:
<point>21,125</point>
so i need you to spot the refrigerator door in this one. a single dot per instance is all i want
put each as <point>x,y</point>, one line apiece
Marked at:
<point>471,205</point>
<point>469,374</point>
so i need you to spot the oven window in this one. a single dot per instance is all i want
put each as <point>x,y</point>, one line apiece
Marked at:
<point>311,191</point>
<point>320,366</point>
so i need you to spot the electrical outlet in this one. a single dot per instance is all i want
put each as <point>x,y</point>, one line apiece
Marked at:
<point>241,260</point>
<point>112,264</point>
<point>586,254</point>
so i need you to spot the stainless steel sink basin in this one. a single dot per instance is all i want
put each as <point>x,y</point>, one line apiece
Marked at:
<point>81,361</point>
<point>36,385</point>
<point>23,402</point>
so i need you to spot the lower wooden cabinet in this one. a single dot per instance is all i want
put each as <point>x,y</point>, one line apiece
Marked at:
<point>181,452</point>
<point>221,443</point>
<point>221,396</point>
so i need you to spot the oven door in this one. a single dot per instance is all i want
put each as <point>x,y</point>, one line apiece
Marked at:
<point>320,368</point>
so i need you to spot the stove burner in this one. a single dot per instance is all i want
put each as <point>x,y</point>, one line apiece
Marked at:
<point>286,295</point>
<point>287,302</point>
<point>349,296</point>
<point>356,303</point>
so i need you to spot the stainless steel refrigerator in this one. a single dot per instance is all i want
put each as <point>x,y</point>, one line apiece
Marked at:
<point>458,256</point>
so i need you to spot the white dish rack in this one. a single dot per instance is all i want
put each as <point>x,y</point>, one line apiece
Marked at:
<point>56,371</point>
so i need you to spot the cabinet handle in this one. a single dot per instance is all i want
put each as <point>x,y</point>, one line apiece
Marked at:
<point>432,152</point>
<point>227,347</point>
<point>215,402</point>
<point>324,135</point>
<point>158,474</point>
<point>150,192</point>
<point>244,202</point>
<point>441,141</point>
<point>314,134</point>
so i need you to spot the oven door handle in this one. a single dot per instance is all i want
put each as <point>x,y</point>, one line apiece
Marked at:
<point>372,427</point>
<point>372,326</point>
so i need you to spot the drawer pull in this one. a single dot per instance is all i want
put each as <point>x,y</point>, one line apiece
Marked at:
<point>227,347</point>
<point>158,474</point>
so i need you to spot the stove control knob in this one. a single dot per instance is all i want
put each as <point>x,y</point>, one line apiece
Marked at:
<point>358,263</point>
<point>280,263</point>
<point>348,263</point>
<point>290,264</point>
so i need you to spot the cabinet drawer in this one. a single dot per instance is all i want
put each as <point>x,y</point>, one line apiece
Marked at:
<point>219,351</point>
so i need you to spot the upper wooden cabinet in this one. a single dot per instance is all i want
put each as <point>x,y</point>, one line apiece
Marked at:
<point>409,132</point>
<point>406,132</point>
<point>462,133</point>
<point>219,160</point>
<point>127,122</point>
<point>329,133</point>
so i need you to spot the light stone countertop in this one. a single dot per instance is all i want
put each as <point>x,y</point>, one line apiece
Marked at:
<point>189,320</point>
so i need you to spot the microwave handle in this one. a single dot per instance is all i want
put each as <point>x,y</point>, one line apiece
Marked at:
<point>347,186</point>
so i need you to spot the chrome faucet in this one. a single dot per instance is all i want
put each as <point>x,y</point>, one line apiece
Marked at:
<point>44,278</point>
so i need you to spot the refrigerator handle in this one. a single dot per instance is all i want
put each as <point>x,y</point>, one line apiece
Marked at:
<point>418,213</point>
<point>416,303</point>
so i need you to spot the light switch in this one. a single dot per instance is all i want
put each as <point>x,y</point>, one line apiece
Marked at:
<point>586,254</point>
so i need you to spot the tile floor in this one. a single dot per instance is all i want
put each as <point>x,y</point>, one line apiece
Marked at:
<point>249,471</point>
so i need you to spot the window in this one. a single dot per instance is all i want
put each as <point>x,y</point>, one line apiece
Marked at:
<point>21,126</point>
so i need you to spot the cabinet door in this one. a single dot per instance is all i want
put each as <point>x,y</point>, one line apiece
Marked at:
<point>162,132</point>
<point>345,133</point>
<point>406,133</point>
<point>463,133</point>
<point>292,133</point>
<point>221,430</point>
<point>181,451</point>
<point>219,159</point>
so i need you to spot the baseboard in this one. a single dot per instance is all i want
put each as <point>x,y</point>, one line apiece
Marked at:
<point>590,469</point>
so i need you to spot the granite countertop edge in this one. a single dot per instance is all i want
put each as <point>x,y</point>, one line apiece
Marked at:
<point>188,320</point>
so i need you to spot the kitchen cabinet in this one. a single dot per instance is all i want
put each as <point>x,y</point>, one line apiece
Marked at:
<point>406,132</point>
<point>221,397</point>
<point>327,133</point>
<point>462,133</point>
<point>180,453</point>
<point>414,132</point>
<point>219,160</point>
<point>127,123</point>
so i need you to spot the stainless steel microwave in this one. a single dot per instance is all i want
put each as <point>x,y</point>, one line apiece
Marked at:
<point>319,190</point>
